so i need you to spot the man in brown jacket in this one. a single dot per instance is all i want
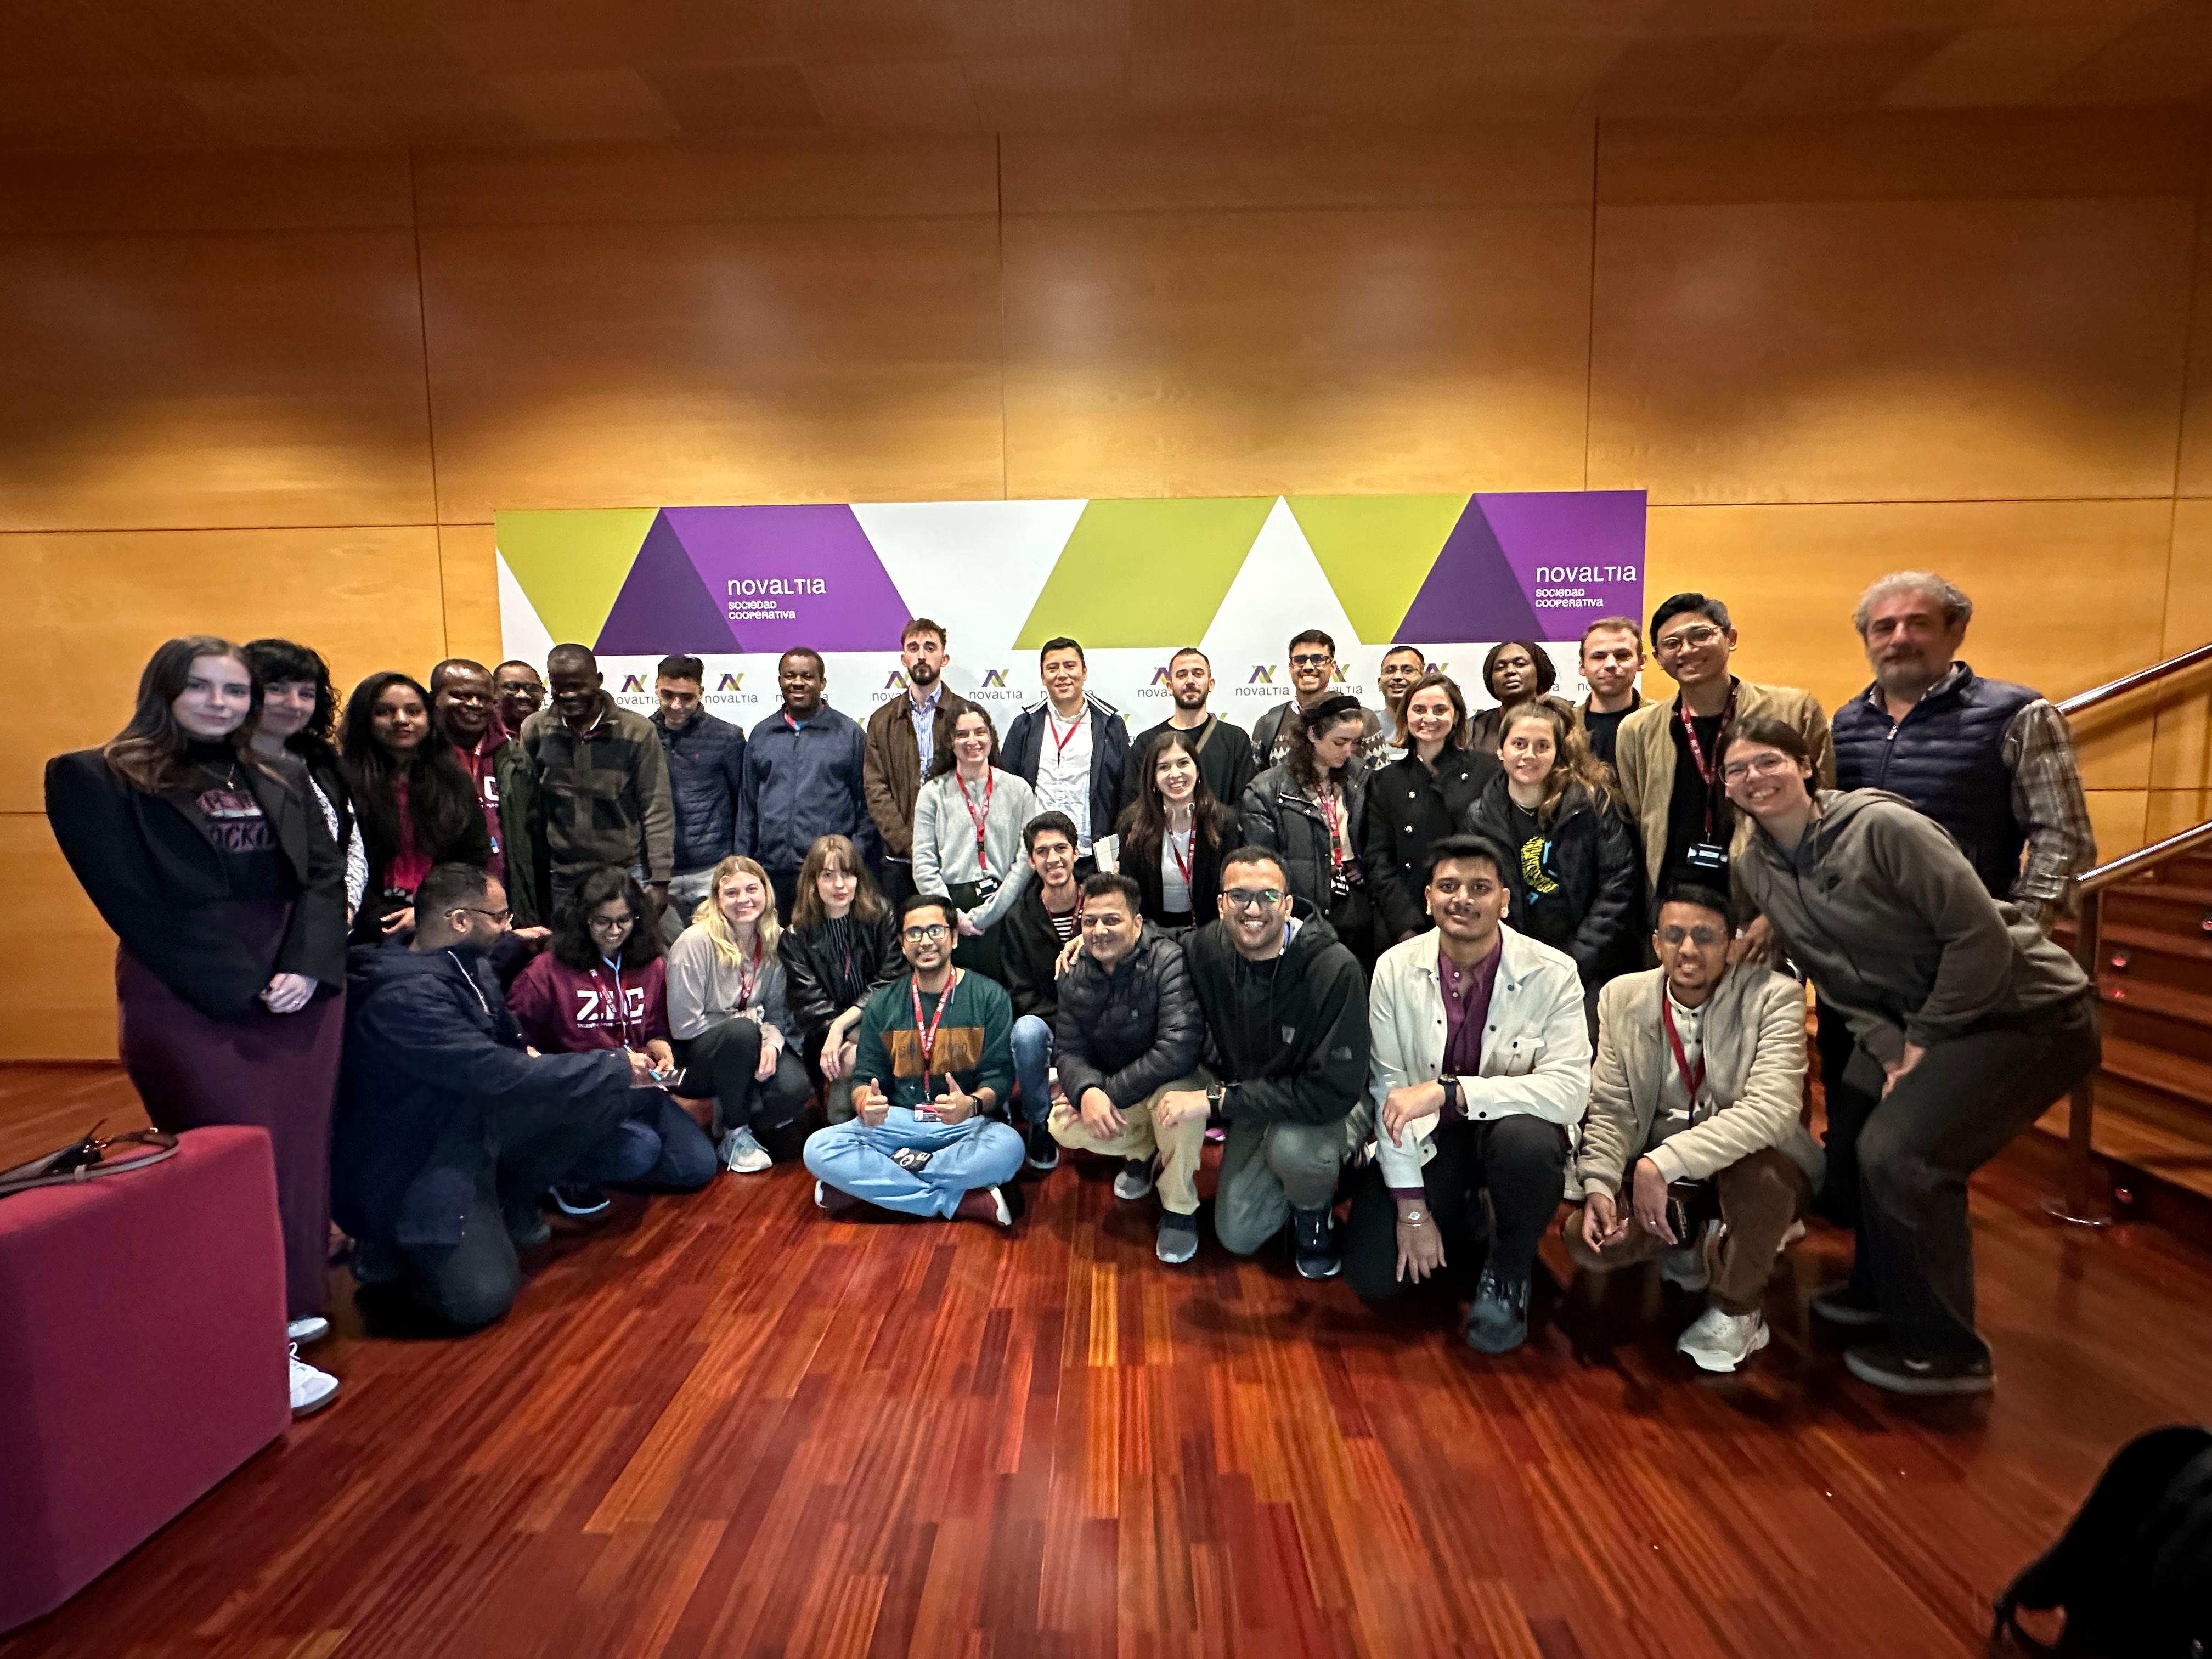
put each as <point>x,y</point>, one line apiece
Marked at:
<point>903,736</point>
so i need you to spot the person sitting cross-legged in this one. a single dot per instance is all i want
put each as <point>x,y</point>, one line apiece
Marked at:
<point>1693,1121</point>
<point>1128,1031</point>
<point>1481,1066</point>
<point>932,1058</point>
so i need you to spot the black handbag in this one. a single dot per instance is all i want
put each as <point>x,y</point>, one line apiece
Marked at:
<point>87,1158</point>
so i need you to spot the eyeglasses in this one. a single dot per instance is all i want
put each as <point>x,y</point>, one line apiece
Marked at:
<point>1309,659</point>
<point>1253,898</point>
<point>502,917</point>
<point>1704,938</point>
<point>1758,766</point>
<point>609,924</point>
<point>927,930</point>
<point>1689,639</point>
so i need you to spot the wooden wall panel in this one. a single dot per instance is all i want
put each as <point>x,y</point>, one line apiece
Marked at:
<point>468,578</point>
<point>169,382</point>
<point>834,359</point>
<point>366,598</point>
<point>1887,351</point>
<point>1791,575</point>
<point>229,190</point>
<point>1186,354</point>
<point>2181,753</point>
<point>60,1001</point>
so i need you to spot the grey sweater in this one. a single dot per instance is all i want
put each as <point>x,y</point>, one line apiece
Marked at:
<point>1881,907</point>
<point>945,840</point>
<point>702,990</point>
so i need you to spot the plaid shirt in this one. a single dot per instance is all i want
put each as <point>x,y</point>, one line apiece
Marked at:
<point>2047,801</point>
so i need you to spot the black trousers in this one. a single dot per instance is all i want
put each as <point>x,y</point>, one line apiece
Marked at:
<point>1909,1154</point>
<point>1520,1161</point>
<point>722,1061</point>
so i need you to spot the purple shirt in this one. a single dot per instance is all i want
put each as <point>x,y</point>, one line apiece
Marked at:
<point>1467,1006</point>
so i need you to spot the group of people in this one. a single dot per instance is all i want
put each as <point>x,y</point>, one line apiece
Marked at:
<point>477,953</point>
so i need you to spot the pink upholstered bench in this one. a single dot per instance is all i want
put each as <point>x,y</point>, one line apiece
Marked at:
<point>141,1356</point>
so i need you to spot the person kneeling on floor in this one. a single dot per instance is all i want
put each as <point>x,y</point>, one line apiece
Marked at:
<point>1128,1031</point>
<point>1700,1073</point>
<point>933,1057</point>
<point>449,1128</point>
<point>1481,1066</point>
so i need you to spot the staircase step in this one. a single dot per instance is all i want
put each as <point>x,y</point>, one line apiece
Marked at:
<point>2183,961</point>
<point>2143,1138</point>
<point>2151,1067</point>
<point>2148,996</point>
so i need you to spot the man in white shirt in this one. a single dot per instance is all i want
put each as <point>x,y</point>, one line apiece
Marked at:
<point>1699,1079</point>
<point>1479,1066</point>
<point>1072,749</point>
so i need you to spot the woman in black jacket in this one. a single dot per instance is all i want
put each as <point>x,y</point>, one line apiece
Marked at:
<point>298,714</point>
<point>1174,834</point>
<point>1307,809</point>
<point>417,805</point>
<point>218,874</point>
<point>842,944</point>
<point>1414,803</point>
<point>1514,672</point>
<point>1578,883</point>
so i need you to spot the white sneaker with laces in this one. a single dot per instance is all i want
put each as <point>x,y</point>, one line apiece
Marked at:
<point>1722,1341</point>
<point>313,1329</point>
<point>744,1155</point>
<point>311,1389</point>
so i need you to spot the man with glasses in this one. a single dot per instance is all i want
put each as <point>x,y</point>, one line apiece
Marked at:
<point>1693,1151</point>
<point>903,736</point>
<point>449,1128</point>
<point>1128,1034</point>
<point>934,1058</point>
<point>1313,677</point>
<point>1224,751</point>
<point>1480,1070</point>
<point>1286,1010</point>
<point>520,693</point>
<point>1667,755</point>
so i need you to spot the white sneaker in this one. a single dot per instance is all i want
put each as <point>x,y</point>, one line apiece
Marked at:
<point>311,1389</point>
<point>1722,1341</point>
<point>1690,1265</point>
<point>744,1155</point>
<point>313,1329</point>
<point>1135,1179</point>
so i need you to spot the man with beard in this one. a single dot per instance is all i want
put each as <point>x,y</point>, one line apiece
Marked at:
<point>1313,677</point>
<point>903,736</point>
<point>1224,751</point>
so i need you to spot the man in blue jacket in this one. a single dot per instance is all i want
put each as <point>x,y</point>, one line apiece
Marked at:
<point>1072,749</point>
<point>802,779</point>
<point>706,775</point>
<point>448,1127</point>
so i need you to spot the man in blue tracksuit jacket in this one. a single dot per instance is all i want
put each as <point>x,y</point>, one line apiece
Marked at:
<point>802,779</point>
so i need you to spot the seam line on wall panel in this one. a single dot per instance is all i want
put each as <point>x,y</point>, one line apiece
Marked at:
<point>999,228</point>
<point>1589,323</point>
<point>429,407</point>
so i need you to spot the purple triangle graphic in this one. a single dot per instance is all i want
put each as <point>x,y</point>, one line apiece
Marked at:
<point>788,576</point>
<point>663,607</point>
<point>1471,591</point>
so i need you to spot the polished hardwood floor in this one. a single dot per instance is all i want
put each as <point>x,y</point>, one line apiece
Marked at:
<point>726,1425</point>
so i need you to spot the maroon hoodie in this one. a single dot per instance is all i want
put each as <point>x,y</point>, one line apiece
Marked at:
<point>572,1010</point>
<point>477,763</point>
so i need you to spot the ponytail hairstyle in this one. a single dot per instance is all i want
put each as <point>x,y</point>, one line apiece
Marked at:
<point>146,752</point>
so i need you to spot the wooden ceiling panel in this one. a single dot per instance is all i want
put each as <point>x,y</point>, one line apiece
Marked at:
<point>918,95</point>
<point>1986,66</point>
<point>1842,70</point>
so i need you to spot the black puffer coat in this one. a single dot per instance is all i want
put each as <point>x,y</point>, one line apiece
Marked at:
<point>1130,1031</point>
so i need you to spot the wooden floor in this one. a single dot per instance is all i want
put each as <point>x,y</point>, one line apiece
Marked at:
<point>726,1425</point>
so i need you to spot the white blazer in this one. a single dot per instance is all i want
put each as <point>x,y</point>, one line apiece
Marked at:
<point>1535,1042</point>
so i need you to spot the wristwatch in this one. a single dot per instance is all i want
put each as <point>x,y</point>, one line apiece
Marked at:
<point>1453,1106</point>
<point>1213,1096</point>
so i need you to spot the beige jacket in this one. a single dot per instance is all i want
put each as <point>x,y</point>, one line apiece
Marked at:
<point>1753,1048</point>
<point>1644,756</point>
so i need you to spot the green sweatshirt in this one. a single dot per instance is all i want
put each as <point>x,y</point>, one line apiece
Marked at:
<point>973,1040</point>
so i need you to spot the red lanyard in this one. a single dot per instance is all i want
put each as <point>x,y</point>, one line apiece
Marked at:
<point>1697,750</point>
<point>1328,809</point>
<point>974,817</point>
<point>1694,1078</point>
<point>1059,743</point>
<point>1182,859</point>
<point>928,1039</point>
<point>621,1003</point>
<point>749,978</point>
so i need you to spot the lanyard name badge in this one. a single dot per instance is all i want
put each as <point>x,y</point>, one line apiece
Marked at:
<point>1181,854</point>
<point>1341,871</point>
<point>986,883</point>
<point>1693,1077</point>
<point>1708,854</point>
<point>924,1108</point>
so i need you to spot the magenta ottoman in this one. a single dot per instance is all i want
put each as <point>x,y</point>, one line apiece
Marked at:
<point>141,1356</point>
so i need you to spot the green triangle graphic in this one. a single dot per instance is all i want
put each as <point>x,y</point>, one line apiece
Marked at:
<point>1141,573</point>
<point>571,564</point>
<point>1376,551</point>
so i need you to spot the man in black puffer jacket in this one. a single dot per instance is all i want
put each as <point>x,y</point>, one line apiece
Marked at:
<point>1127,1031</point>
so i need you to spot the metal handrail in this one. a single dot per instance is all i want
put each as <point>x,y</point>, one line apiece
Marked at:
<point>2142,859</point>
<point>2083,701</point>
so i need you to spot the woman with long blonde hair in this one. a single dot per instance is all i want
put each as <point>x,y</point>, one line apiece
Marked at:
<point>729,1013</point>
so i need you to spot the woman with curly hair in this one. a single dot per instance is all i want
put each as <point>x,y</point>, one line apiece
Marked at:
<point>299,715</point>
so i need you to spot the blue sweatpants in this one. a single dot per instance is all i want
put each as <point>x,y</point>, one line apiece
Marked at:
<point>961,1156</point>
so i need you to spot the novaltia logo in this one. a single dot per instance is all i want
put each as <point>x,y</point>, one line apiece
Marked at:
<point>1339,675</point>
<point>894,681</point>
<point>633,683</point>
<point>1263,674</point>
<point>995,677</point>
<point>1160,675</point>
<point>732,682</point>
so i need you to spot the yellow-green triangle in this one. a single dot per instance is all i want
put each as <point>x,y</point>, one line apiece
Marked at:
<point>1376,551</point>
<point>1140,573</point>
<point>571,564</point>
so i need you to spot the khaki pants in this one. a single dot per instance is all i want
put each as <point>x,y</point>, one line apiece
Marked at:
<point>1179,1152</point>
<point>1758,1197</point>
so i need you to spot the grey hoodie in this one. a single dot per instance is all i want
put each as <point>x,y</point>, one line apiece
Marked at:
<point>1881,907</point>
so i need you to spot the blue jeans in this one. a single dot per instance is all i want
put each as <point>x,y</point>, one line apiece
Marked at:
<point>1032,1046</point>
<point>658,1147</point>
<point>962,1156</point>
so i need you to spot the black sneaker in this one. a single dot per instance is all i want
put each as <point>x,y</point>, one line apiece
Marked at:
<point>1045,1151</point>
<point>1892,1368</point>
<point>1846,1305</point>
<point>1498,1318</point>
<point>581,1201</point>
<point>527,1226</point>
<point>1313,1243</point>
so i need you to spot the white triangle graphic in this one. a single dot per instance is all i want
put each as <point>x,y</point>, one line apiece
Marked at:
<point>522,636</point>
<point>1279,590</point>
<point>977,567</point>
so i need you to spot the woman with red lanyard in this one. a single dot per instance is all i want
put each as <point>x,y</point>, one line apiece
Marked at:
<point>1172,837</point>
<point>415,805</point>
<point>967,824</point>
<point>600,983</point>
<point>1308,810</point>
<point>729,1013</point>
